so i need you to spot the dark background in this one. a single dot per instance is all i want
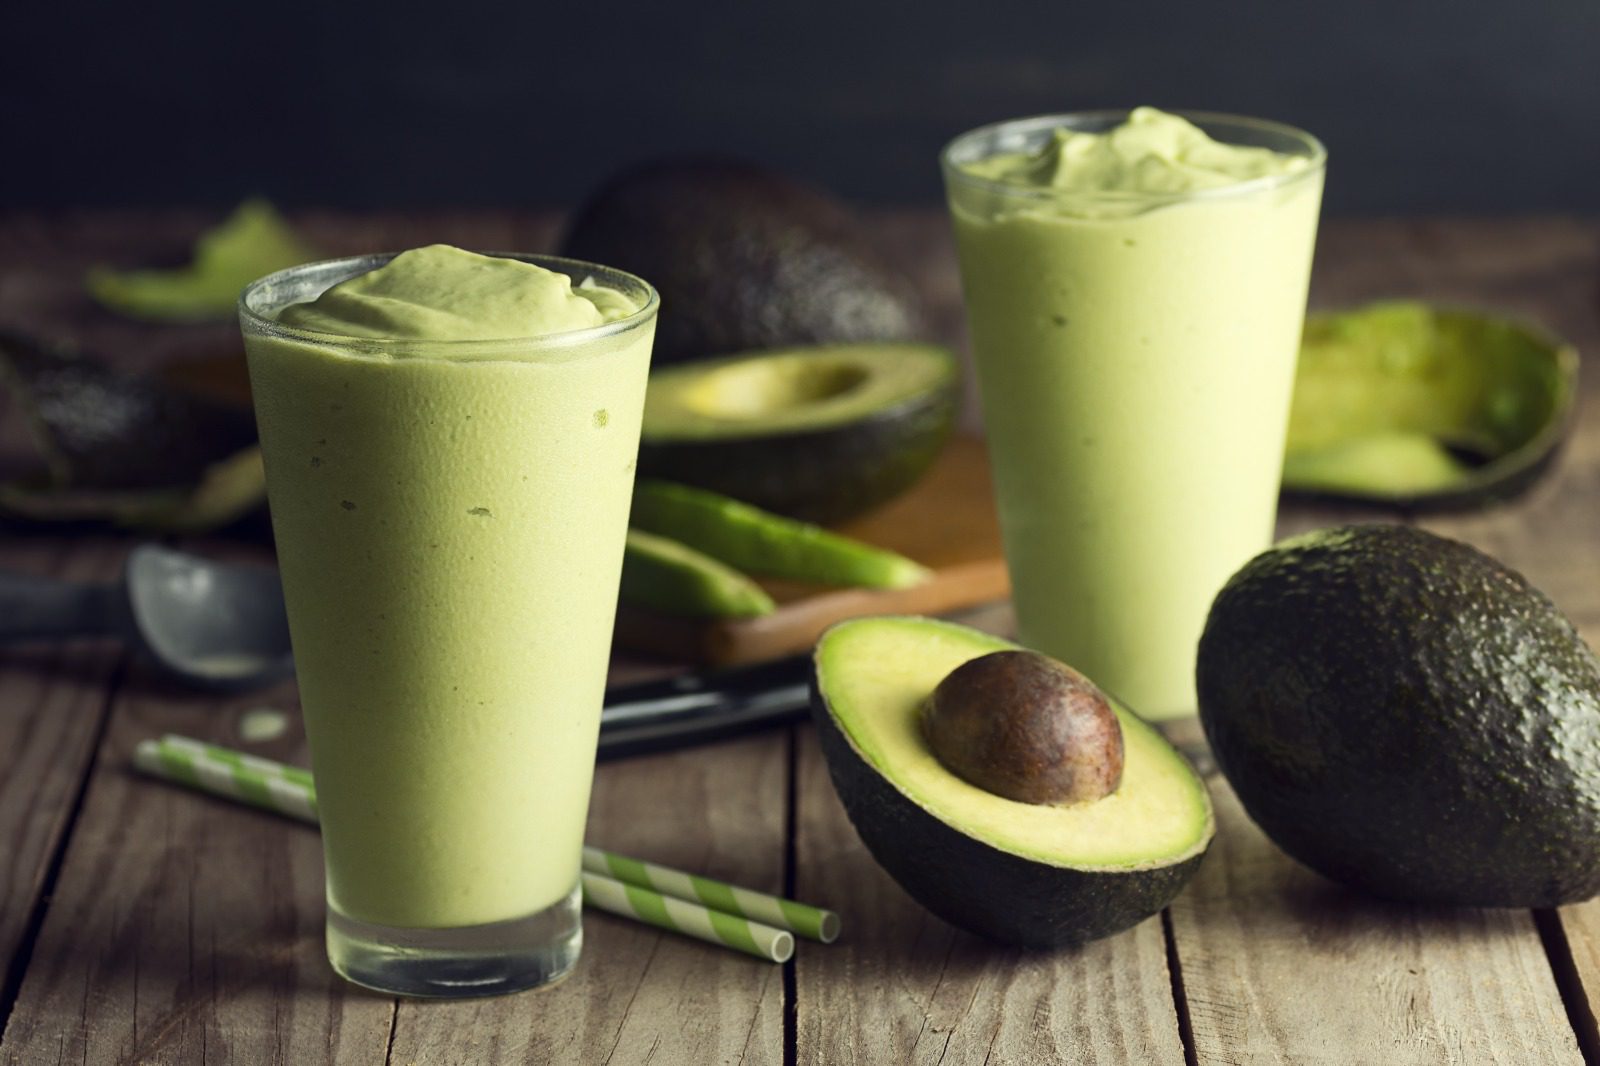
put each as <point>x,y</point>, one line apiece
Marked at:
<point>1444,106</point>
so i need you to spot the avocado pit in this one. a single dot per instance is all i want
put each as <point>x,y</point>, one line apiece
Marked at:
<point>1025,727</point>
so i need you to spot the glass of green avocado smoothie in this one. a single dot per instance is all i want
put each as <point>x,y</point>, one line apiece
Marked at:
<point>450,442</point>
<point>1135,285</point>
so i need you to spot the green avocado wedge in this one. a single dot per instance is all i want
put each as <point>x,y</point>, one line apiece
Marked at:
<point>1408,717</point>
<point>666,576</point>
<point>1020,873</point>
<point>1404,404</point>
<point>758,542</point>
<point>250,243</point>
<point>819,434</point>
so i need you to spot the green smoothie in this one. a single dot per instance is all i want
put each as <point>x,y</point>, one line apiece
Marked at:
<point>1134,291</point>
<point>450,443</point>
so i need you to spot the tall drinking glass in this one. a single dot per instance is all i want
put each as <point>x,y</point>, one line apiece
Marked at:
<point>1136,354</point>
<point>449,518</point>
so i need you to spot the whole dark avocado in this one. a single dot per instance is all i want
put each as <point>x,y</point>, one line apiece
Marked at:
<point>1407,716</point>
<point>744,258</point>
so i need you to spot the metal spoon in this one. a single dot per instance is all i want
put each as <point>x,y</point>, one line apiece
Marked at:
<point>216,625</point>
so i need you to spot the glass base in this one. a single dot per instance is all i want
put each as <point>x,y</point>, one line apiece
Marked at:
<point>474,960</point>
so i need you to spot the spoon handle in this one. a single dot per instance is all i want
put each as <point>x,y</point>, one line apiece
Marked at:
<point>41,608</point>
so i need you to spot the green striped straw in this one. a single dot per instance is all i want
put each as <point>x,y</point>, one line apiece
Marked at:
<point>288,790</point>
<point>691,919</point>
<point>800,918</point>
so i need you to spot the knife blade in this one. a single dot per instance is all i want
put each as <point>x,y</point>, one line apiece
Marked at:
<point>696,708</point>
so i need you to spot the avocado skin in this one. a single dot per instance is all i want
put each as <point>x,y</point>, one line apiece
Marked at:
<point>1407,716</point>
<point>824,475</point>
<point>743,258</point>
<point>975,886</point>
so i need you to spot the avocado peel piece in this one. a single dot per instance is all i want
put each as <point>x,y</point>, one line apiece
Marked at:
<point>125,448</point>
<point>819,434</point>
<point>1407,405</point>
<point>1408,717</point>
<point>250,243</point>
<point>1018,873</point>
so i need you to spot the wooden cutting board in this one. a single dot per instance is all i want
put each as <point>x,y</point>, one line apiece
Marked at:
<point>945,522</point>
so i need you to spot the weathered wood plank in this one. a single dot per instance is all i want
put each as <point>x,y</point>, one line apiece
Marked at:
<point>1282,966</point>
<point>53,703</point>
<point>901,986</point>
<point>639,995</point>
<point>185,929</point>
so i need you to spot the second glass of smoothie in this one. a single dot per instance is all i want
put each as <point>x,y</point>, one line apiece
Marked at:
<point>450,443</point>
<point>1135,286</point>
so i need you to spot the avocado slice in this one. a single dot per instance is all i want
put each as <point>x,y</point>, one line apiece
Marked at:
<point>758,542</point>
<point>673,578</point>
<point>252,242</point>
<point>743,258</point>
<point>1400,403</point>
<point>819,434</point>
<point>1408,717</point>
<point>1020,873</point>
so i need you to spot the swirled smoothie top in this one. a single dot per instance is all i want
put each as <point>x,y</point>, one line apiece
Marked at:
<point>1150,152</point>
<point>446,294</point>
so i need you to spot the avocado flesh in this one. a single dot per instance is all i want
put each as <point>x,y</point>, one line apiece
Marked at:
<point>1408,717</point>
<point>1016,872</point>
<point>819,434</point>
<point>1403,403</point>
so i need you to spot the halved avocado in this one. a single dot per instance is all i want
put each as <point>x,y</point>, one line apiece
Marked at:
<point>125,448</point>
<point>820,434</point>
<point>1020,873</point>
<point>1405,404</point>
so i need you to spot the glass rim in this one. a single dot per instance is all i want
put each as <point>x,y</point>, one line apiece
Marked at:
<point>1309,147</point>
<point>255,320</point>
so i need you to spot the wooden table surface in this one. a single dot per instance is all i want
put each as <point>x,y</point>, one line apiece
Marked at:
<point>144,924</point>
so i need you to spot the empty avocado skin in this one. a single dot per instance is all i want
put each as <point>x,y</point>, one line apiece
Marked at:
<point>1406,716</point>
<point>743,258</point>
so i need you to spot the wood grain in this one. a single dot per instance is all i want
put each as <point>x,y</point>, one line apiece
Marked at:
<point>1281,966</point>
<point>186,929</point>
<point>640,995</point>
<point>53,704</point>
<point>901,986</point>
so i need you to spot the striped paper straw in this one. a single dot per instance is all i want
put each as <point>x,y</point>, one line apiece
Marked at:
<point>691,919</point>
<point>801,918</point>
<point>288,790</point>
